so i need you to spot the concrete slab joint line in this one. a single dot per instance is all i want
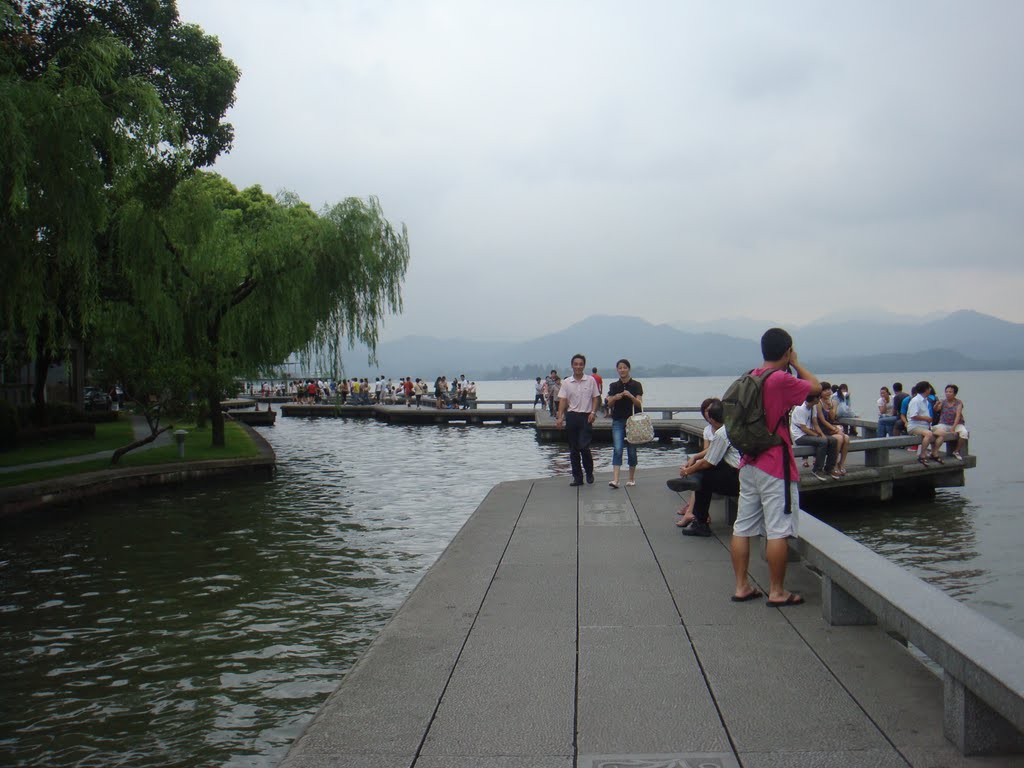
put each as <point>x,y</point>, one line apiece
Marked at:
<point>678,760</point>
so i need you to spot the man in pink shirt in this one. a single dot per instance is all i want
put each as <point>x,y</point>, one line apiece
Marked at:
<point>577,407</point>
<point>762,503</point>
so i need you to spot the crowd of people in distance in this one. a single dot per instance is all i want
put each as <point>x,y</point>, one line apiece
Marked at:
<point>546,391</point>
<point>459,393</point>
<point>922,413</point>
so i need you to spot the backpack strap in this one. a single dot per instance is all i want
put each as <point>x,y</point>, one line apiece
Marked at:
<point>786,459</point>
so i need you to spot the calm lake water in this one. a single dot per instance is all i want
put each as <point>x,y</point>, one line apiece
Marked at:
<point>206,626</point>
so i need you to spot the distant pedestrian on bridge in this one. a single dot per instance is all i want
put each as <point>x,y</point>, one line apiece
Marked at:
<point>625,397</point>
<point>577,407</point>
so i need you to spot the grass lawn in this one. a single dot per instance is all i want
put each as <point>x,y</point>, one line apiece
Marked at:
<point>238,445</point>
<point>109,435</point>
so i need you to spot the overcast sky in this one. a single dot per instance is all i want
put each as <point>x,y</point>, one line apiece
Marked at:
<point>669,160</point>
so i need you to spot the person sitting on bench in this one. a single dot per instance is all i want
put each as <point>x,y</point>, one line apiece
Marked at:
<point>719,470</point>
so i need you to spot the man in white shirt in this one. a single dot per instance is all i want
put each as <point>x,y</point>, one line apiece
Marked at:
<point>919,421</point>
<point>577,405</point>
<point>803,428</point>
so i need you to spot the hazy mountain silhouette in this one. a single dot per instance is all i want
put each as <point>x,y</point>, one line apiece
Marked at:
<point>963,340</point>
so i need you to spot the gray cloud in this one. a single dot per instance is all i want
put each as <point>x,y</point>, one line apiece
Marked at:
<point>558,160</point>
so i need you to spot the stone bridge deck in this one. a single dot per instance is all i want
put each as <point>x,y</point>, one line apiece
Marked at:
<point>575,627</point>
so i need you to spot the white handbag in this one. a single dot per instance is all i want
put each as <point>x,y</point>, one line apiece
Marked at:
<point>639,429</point>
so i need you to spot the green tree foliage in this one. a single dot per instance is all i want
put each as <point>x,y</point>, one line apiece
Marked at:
<point>193,80</point>
<point>100,102</point>
<point>68,136</point>
<point>236,280</point>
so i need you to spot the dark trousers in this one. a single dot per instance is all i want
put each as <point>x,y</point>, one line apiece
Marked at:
<point>824,451</point>
<point>578,432</point>
<point>721,479</point>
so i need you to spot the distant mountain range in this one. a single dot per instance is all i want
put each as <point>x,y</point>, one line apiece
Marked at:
<point>963,340</point>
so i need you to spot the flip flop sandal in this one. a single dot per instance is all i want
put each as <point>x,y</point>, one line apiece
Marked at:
<point>756,593</point>
<point>614,485</point>
<point>923,461</point>
<point>937,460</point>
<point>793,599</point>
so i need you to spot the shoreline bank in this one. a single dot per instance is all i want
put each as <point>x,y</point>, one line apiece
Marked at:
<point>88,486</point>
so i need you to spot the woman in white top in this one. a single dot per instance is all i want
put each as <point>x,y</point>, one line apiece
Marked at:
<point>887,417</point>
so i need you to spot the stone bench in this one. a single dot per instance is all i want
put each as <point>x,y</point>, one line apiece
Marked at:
<point>982,662</point>
<point>875,449</point>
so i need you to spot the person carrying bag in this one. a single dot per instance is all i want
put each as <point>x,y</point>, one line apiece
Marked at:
<point>629,422</point>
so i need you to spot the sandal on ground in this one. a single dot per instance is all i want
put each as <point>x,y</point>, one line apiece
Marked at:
<point>807,463</point>
<point>752,595</point>
<point>937,459</point>
<point>614,485</point>
<point>793,599</point>
<point>683,522</point>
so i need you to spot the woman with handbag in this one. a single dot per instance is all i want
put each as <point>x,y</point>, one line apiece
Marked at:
<point>625,398</point>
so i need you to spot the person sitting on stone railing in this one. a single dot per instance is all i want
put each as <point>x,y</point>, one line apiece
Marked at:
<point>919,422</point>
<point>709,433</point>
<point>804,429</point>
<point>843,408</point>
<point>830,428</point>
<point>951,421</point>
<point>899,408</point>
<point>887,418</point>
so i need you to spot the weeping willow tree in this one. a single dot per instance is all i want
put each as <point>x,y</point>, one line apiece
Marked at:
<point>70,136</point>
<point>100,102</point>
<point>237,280</point>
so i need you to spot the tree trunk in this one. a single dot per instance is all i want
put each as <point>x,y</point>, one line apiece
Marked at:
<point>213,391</point>
<point>216,417</point>
<point>42,369</point>
<point>137,444</point>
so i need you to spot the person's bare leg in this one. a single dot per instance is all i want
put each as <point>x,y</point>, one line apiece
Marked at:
<point>739,551</point>
<point>837,469</point>
<point>777,553</point>
<point>937,439</point>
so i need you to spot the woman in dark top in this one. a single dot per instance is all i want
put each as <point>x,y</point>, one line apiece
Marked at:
<point>625,398</point>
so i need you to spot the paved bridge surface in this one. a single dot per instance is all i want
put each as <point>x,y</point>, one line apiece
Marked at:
<point>575,627</point>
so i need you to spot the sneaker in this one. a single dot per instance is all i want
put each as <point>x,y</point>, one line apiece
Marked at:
<point>819,474</point>
<point>957,456</point>
<point>697,528</point>
<point>590,479</point>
